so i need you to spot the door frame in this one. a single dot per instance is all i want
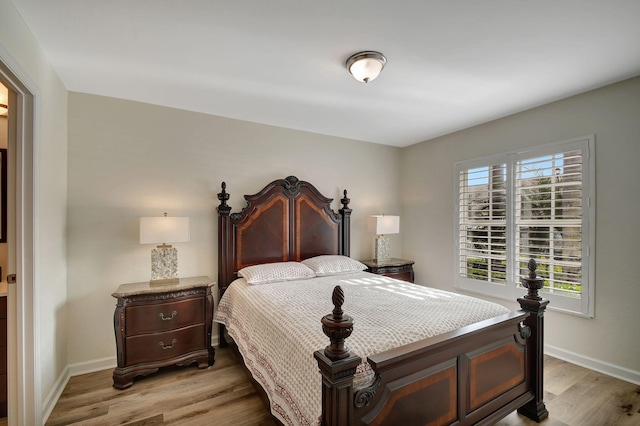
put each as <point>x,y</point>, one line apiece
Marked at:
<point>23,372</point>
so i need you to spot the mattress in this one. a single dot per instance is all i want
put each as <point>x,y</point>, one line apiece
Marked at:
<point>277,328</point>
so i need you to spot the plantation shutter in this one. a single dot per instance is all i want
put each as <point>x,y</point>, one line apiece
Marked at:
<point>548,219</point>
<point>482,223</point>
<point>536,202</point>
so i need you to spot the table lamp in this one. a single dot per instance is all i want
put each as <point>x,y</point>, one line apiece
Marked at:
<point>385,225</point>
<point>164,258</point>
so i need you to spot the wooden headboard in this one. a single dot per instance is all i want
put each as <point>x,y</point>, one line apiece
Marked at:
<point>288,220</point>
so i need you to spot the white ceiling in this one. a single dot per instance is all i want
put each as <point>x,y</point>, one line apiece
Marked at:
<point>451,64</point>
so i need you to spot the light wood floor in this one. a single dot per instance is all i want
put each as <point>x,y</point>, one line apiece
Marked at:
<point>223,395</point>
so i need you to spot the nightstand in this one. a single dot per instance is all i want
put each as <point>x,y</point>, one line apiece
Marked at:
<point>157,325</point>
<point>401,269</point>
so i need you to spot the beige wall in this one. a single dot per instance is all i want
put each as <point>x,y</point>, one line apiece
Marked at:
<point>128,159</point>
<point>48,292</point>
<point>612,338</point>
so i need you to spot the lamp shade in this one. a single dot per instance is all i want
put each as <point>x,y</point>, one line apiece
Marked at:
<point>154,230</point>
<point>387,224</point>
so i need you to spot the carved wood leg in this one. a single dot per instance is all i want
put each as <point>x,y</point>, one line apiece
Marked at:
<point>123,377</point>
<point>211,359</point>
<point>535,305</point>
<point>222,341</point>
<point>535,409</point>
<point>337,388</point>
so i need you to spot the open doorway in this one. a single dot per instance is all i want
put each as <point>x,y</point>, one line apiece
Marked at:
<point>23,394</point>
<point>4,251</point>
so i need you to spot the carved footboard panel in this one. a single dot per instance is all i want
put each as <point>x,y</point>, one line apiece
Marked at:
<point>456,378</point>
<point>474,375</point>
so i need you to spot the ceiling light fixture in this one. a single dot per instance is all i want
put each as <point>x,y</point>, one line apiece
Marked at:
<point>366,66</point>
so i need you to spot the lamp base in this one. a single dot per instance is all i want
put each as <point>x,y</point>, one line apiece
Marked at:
<point>382,248</point>
<point>164,264</point>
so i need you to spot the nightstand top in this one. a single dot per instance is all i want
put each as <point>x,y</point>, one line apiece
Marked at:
<point>373,263</point>
<point>134,289</point>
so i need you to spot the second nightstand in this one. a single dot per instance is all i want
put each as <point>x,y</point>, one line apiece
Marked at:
<point>401,269</point>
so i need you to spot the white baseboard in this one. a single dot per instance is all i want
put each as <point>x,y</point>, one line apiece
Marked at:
<point>69,371</point>
<point>92,366</point>
<point>612,370</point>
<point>52,398</point>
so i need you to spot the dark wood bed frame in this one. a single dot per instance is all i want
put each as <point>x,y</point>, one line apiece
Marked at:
<point>474,375</point>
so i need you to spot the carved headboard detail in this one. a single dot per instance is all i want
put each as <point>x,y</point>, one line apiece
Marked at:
<point>288,220</point>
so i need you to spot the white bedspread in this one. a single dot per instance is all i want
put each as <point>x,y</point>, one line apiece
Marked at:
<point>277,328</point>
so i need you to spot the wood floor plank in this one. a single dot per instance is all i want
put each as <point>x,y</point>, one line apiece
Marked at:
<point>224,396</point>
<point>150,421</point>
<point>174,395</point>
<point>598,399</point>
<point>561,376</point>
<point>78,416</point>
<point>236,408</point>
<point>586,398</point>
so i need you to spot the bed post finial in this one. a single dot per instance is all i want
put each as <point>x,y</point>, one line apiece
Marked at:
<point>337,366</point>
<point>345,200</point>
<point>223,197</point>
<point>337,327</point>
<point>533,283</point>
<point>535,305</point>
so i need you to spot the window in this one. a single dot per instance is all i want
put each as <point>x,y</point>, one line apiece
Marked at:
<point>538,203</point>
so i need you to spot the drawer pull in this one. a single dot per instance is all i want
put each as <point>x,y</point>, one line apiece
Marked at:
<point>173,343</point>
<point>173,315</point>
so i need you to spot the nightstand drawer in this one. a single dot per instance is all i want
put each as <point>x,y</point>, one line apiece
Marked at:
<point>164,316</point>
<point>161,346</point>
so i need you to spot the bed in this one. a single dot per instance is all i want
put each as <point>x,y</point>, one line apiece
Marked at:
<point>472,365</point>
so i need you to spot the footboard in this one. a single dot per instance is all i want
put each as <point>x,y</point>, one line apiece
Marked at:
<point>474,375</point>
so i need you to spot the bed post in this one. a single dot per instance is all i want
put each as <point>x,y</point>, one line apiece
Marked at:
<point>223,255</point>
<point>345,212</point>
<point>535,305</point>
<point>337,365</point>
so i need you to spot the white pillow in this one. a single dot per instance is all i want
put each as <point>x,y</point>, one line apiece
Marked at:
<point>331,264</point>
<point>274,272</point>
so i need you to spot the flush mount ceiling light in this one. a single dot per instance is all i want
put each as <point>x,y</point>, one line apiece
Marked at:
<point>366,66</point>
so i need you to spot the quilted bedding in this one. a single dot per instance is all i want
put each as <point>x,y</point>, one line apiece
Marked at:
<point>277,328</point>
